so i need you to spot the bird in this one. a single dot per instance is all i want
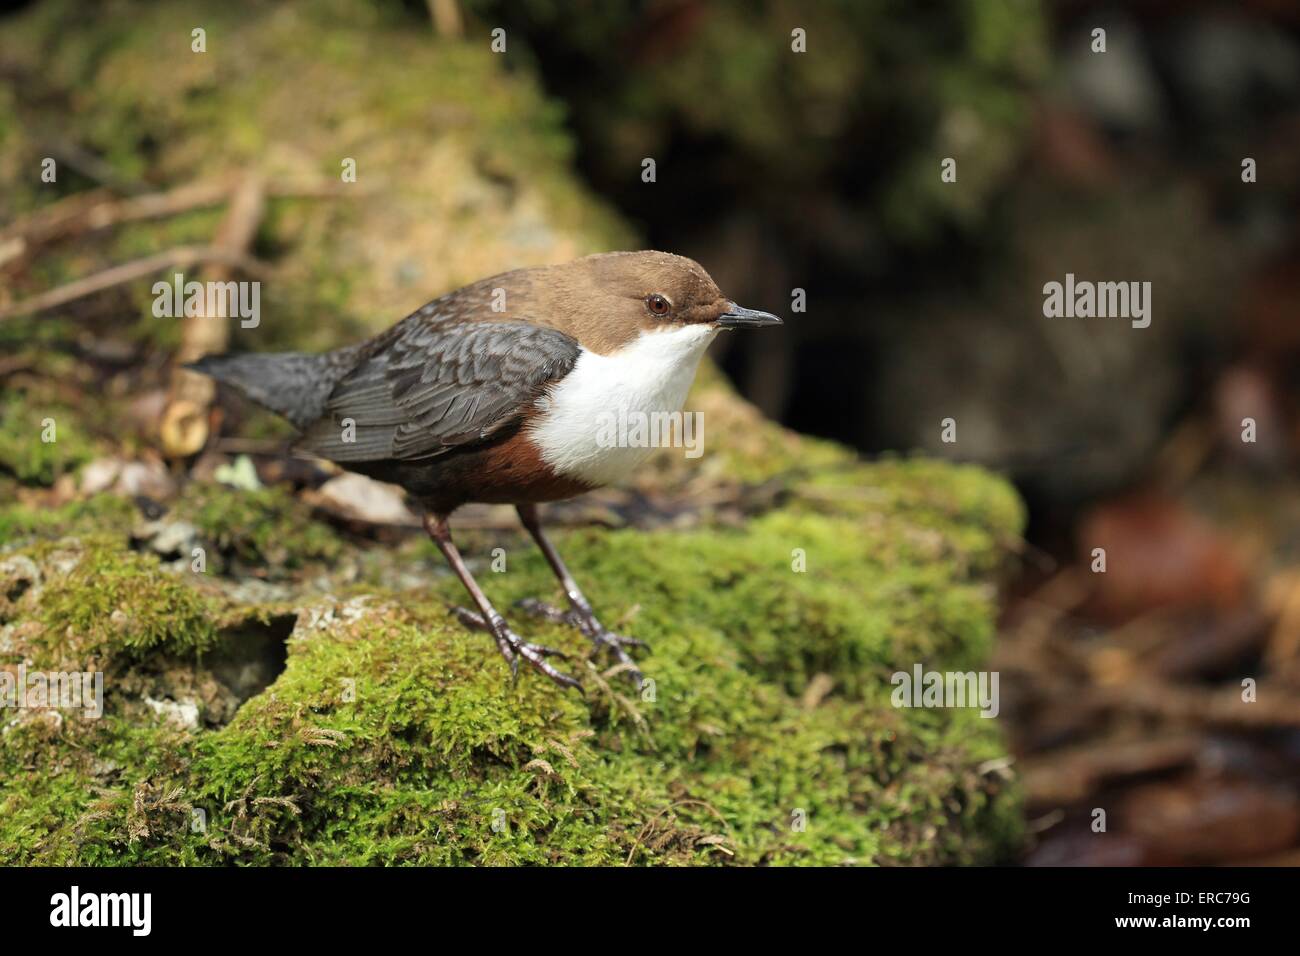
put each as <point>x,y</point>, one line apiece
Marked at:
<point>493,393</point>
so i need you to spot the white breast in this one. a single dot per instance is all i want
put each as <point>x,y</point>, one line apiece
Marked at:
<point>651,374</point>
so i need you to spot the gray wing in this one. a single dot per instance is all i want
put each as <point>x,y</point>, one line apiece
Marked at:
<point>428,387</point>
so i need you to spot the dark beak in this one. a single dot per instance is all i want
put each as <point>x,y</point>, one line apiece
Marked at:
<point>737,318</point>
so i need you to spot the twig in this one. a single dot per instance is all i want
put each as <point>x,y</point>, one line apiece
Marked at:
<point>251,446</point>
<point>1214,707</point>
<point>184,427</point>
<point>89,165</point>
<point>182,257</point>
<point>1069,775</point>
<point>447,20</point>
<point>98,209</point>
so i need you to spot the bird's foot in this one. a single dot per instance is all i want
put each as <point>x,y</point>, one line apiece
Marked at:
<point>617,644</point>
<point>597,633</point>
<point>513,647</point>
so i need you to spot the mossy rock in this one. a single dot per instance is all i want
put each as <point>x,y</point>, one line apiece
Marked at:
<point>392,735</point>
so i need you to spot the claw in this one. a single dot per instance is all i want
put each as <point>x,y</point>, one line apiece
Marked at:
<point>471,619</point>
<point>476,621</point>
<point>513,647</point>
<point>611,638</point>
<point>593,630</point>
<point>548,612</point>
<point>538,659</point>
<point>615,643</point>
<point>547,651</point>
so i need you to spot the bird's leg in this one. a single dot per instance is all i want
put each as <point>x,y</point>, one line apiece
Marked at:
<point>581,615</point>
<point>509,643</point>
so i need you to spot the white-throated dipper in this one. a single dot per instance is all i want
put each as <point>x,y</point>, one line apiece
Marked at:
<point>494,393</point>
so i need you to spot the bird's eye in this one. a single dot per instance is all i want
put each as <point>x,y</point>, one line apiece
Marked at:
<point>657,304</point>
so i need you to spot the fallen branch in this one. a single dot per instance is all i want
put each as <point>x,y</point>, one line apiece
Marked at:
<point>447,21</point>
<point>184,427</point>
<point>98,209</point>
<point>1195,706</point>
<point>182,257</point>
<point>1067,776</point>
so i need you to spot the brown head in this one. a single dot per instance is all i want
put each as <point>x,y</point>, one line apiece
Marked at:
<point>605,301</point>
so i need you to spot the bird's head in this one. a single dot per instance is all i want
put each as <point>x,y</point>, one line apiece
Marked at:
<point>612,298</point>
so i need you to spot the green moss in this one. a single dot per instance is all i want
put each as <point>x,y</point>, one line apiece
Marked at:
<point>40,439</point>
<point>268,527</point>
<point>105,513</point>
<point>433,749</point>
<point>972,516</point>
<point>114,601</point>
<point>82,791</point>
<point>395,736</point>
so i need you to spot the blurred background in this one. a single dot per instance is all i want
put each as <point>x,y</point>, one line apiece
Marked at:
<point>817,171</point>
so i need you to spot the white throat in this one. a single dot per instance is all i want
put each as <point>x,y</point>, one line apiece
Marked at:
<point>650,374</point>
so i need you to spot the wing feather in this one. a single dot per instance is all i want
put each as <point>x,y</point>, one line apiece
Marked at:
<point>429,387</point>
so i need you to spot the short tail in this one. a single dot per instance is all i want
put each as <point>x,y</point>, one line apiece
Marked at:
<point>292,384</point>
